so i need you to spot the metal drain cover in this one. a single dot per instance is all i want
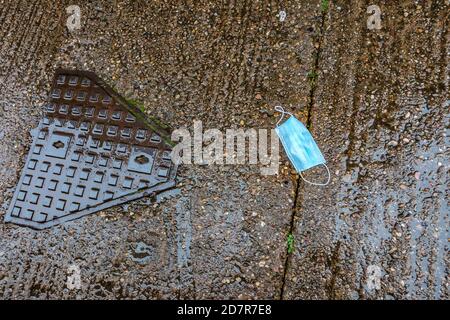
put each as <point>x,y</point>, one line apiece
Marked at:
<point>91,151</point>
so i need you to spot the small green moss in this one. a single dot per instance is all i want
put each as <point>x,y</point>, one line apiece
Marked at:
<point>325,5</point>
<point>136,103</point>
<point>143,117</point>
<point>290,243</point>
<point>312,77</point>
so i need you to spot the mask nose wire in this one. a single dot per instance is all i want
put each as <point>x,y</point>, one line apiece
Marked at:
<point>280,109</point>
<point>317,183</point>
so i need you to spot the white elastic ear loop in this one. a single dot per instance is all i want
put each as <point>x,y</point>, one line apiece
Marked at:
<point>317,183</point>
<point>280,109</point>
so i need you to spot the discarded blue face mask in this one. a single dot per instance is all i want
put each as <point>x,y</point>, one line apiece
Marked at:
<point>299,145</point>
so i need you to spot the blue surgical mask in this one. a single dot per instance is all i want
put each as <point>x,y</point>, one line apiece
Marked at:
<point>299,145</point>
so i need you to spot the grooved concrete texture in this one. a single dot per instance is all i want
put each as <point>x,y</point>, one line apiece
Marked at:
<point>222,234</point>
<point>381,116</point>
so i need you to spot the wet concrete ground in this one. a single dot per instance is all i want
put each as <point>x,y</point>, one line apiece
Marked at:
<point>378,109</point>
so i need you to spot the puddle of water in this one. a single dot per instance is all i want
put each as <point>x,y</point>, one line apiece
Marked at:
<point>168,194</point>
<point>142,253</point>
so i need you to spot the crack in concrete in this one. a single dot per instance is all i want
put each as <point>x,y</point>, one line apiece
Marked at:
<point>308,124</point>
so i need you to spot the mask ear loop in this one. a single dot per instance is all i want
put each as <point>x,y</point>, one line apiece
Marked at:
<point>318,183</point>
<point>280,109</point>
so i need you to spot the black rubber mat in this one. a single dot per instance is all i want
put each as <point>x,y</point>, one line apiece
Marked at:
<point>92,150</point>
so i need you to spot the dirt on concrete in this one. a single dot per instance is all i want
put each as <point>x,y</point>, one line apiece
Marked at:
<point>375,102</point>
